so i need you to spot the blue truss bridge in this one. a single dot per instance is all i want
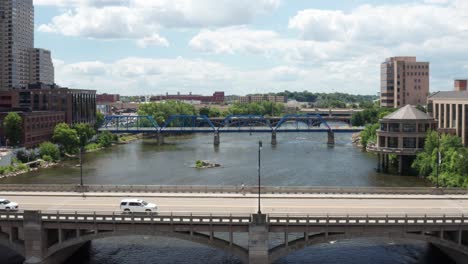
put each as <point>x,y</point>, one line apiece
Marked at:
<point>178,124</point>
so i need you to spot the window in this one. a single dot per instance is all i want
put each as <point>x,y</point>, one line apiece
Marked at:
<point>123,203</point>
<point>409,142</point>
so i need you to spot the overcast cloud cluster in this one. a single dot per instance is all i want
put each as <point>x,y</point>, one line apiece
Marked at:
<point>317,49</point>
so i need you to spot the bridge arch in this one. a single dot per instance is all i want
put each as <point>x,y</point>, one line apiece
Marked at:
<point>281,251</point>
<point>14,246</point>
<point>198,238</point>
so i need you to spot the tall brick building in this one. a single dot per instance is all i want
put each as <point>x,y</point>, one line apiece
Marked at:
<point>404,81</point>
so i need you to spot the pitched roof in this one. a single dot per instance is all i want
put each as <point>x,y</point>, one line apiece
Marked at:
<point>408,112</point>
<point>449,95</point>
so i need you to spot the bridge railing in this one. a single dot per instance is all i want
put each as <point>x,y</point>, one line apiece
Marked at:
<point>373,219</point>
<point>232,189</point>
<point>242,219</point>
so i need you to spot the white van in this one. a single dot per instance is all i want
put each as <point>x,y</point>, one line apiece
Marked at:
<point>137,206</point>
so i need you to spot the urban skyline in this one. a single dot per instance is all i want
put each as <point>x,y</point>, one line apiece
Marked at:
<point>270,45</point>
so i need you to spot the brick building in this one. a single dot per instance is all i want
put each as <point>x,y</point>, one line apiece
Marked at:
<point>262,98</point>
<point>404,81</point>
<point>37,126</point>
<point>79,106</point>
<point>216,98</point>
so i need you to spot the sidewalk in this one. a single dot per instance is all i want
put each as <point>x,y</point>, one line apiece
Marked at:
<point>241,196</point>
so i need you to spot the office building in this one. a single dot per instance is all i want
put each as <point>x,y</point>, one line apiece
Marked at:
<point>16,42</point>
<point>41,67</point>
<point>216,98</point>
<point>404,81</point>
<point>262,98</point>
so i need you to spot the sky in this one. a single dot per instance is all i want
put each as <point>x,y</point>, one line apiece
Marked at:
<point>149,47</point>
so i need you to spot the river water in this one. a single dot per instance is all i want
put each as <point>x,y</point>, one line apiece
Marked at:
<point>297,160</point>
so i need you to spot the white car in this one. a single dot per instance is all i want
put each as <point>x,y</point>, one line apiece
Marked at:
<point>137,206</point>
<point>7,205</point>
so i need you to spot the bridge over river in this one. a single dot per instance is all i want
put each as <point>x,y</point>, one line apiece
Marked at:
<point>187,124</point>
<point>56,222</point>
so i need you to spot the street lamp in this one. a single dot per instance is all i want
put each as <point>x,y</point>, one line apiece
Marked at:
<point>81,163</point>
<point>439,159</point>
<point>259,182</point>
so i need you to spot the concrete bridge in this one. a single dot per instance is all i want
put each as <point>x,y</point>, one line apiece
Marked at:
<point>46,237</point>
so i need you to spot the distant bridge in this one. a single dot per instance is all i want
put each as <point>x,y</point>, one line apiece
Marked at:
<point>297,123</point>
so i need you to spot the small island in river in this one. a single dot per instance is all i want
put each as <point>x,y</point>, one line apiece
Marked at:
<point>203,164</point>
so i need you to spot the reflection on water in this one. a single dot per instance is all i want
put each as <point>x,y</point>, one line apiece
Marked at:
<point>297,160</point>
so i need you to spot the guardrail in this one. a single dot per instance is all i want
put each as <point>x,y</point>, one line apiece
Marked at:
<point>368,220</point>
<point>233,189</point>
<point>241,219</point>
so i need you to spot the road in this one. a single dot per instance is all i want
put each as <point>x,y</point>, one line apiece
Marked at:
<point>238,203</point>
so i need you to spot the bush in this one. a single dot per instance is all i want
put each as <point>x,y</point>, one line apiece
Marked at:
<point>47,158</point>
<point>105,139</point>
<point>26,155</point>
<point>49,149</point>
<point>92,146</point>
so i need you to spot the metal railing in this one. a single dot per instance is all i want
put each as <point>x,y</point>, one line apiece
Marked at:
<point>232,189</point>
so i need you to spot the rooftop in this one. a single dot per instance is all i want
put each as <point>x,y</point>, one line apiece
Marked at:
<point>449,95</point>
<point>408,112</point>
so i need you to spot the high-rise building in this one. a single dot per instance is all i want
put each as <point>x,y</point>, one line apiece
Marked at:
<point>41,67</point>
<point>16,42</point>
<point>403,81</point>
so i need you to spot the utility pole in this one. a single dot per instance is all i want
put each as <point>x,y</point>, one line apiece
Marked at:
<point>259,181</point>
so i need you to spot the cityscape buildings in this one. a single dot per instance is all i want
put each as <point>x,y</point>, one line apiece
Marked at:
<point>262,98</point>
<point>403,81</point>
<point>27,84</point>
<point>216,98</point>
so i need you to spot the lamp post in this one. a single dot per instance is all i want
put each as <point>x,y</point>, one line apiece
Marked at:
<point>81,162</point>
<point>259,182</point>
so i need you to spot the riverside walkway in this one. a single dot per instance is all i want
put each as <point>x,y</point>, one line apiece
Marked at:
<point>55,223</point>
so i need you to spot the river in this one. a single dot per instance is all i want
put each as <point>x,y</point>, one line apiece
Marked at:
<point>297,160</point>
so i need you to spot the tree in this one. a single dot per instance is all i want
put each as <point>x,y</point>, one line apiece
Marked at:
<point>99,120</point>
<point>49,149</point>
<point>204,111</point>
<point>66,137</point>
<point>162,111</point>
<point>105,139</point>
<point>369,134</point>
<point>13,128</point>
<point>85,133</point>
<point>453,169</point>
<point>214,112</point>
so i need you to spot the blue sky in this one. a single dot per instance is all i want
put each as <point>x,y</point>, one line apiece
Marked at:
<point>247,46</point>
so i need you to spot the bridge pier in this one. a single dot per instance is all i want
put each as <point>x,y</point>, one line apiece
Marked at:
<point>331,138</point>
<point>273,138</point>
<point>35,238</point>
<point>160,138</point>
<point>258,240</point>
<point>216,138</point>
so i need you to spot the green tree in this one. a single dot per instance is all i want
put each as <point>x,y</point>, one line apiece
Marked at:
<point>49,149</point>
<point>105,139</point>
<point>369,134</point>
<point>214,112</point>
<point>204,111</point>
<point>99,120</point>
<point>13,124</point>
<point>85,133</point>
<point>162,111</point>
<point>66,137</point>
<point>453,169</point>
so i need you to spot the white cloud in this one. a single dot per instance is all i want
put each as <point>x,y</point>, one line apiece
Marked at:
<point>267,43</point>
<point>153,40</point>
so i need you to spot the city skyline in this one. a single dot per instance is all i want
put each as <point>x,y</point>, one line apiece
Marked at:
<point>133,47</point>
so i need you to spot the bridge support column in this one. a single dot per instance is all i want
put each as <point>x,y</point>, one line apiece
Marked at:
<point>35,238</point>
<point>258,240</point>
<point>160,138</point>
<point>331,138</point>
<point>273,138</point>
<point>379,162</point>
<point>216,138</point>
